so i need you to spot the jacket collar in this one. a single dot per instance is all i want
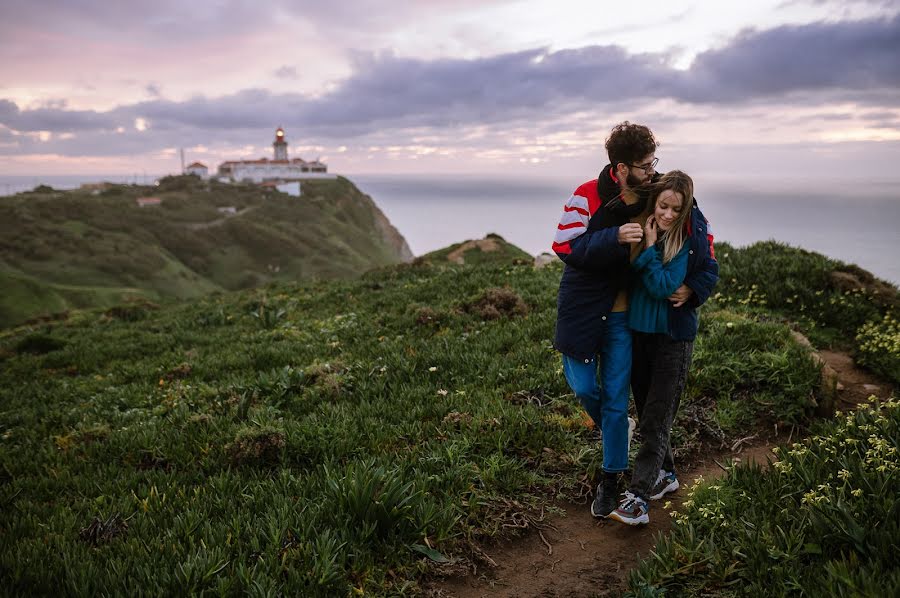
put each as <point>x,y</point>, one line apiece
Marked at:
<point>611,194</point>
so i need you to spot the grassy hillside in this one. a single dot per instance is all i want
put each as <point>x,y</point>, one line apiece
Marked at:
<point>334,438</point>
<point>62,250</point>
<point>492,249</point>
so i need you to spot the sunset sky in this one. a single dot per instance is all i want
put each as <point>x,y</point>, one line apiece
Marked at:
<point>785,89</point>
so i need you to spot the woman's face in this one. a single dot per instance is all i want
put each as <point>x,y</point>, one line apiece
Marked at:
<point>668,206</point>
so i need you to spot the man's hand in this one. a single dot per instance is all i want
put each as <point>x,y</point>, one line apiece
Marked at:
<point>681,294</point>
<point>630,233</point>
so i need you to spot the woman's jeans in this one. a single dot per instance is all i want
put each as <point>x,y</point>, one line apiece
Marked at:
<point>606,402</point>
<point>658,374</point>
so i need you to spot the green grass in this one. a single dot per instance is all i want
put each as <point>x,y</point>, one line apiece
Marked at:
<point>312,439</point>
<point>318,438</point>
<point>77,239</point>
<point>824,521</point>
<point>836,305</point>
<point>24,296</point>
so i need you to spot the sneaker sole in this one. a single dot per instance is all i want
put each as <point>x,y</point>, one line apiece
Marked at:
<point>672,487</point>
<point>642,520</point>
<point>598,516</point>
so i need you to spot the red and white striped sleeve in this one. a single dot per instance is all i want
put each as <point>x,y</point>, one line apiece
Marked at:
<point>575,217</point>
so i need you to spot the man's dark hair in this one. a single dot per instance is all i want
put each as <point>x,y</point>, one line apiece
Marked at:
<point>628,143</point>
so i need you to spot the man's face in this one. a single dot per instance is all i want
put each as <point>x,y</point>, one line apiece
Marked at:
<point>640,172</point>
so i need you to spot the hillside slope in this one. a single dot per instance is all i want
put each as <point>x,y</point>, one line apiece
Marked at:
<point>335,438</point>
<point>493,249</point>
<point>62,250</point>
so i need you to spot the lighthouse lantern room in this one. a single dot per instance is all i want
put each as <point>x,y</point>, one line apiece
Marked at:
<point>280,145</point>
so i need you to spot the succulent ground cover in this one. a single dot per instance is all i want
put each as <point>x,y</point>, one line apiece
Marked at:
<point>823,521</point>
<point>836,304</point>
<point>331,438</point>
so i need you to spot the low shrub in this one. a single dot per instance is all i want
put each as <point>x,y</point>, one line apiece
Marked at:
<point>878,346</point>
<point>496,303</point>
<point>823,521</point>
<point>757,368</point>
<point>257,447</point>
<point>131,312</point>
<point>807,287</point>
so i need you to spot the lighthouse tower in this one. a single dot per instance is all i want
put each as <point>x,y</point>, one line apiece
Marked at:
<point>280,145</point>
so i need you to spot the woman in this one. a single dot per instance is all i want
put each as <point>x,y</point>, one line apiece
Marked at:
<point>663,337</point>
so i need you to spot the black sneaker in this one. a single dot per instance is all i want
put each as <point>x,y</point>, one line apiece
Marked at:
<point>605,501</point>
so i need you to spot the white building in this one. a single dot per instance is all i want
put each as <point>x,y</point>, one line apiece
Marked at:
<point>281,168</point>
<point>291,188</point>
<point>198,168</point>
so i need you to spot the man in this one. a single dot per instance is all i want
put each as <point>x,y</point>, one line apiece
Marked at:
<point>594,238</point>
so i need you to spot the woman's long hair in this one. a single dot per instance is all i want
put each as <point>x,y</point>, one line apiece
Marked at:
<point>674,238</point>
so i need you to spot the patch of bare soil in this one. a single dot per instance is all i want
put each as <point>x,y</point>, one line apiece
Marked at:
<point>486,245</point>
<point>576,555</point>
<point>854,385</point>
<point>217,221</point>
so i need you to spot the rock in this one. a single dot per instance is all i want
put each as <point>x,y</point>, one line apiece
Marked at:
<point>544,259</point>
<point>829,385</point>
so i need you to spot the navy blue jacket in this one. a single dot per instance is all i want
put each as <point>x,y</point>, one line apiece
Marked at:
<point>598,267</point>
<point>702,276</point>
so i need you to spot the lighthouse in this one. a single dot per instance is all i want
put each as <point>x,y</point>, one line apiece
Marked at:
<point>280,145</point>
<point>267,170</point>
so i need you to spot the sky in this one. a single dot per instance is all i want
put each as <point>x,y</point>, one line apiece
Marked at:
<point>796,91</point>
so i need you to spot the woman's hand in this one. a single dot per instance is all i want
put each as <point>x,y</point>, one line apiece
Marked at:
<point>650,232</point>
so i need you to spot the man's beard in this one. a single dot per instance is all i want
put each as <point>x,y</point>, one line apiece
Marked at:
<point>633,181</point>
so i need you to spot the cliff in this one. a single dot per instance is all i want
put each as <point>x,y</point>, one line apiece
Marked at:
<point>62,250</point>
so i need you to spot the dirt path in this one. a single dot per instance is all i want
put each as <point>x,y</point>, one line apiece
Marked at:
<point>576,555</point>
<point>218,221</point>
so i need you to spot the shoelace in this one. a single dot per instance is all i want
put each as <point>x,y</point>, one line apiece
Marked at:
<point>630,500</point>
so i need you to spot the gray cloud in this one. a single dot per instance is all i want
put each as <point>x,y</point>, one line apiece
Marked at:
<point>880,115</point>
<point>857,61</point>
<point>173,21</point>
<point>167,20</point>
<point>853,56</point>
<point>55,119</point>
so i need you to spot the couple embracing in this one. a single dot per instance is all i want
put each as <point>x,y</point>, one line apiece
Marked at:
<point>639,261</point>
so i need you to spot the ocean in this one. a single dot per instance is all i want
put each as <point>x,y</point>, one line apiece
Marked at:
<point>860,227</point>
<point>856,224</point>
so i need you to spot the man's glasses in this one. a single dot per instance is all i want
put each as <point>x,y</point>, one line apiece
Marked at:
<point>647,166</point>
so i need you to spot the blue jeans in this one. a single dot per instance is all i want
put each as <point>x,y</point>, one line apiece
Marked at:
<point>606,402</point>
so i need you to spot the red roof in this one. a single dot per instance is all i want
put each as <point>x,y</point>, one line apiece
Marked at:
<point>197,165</point>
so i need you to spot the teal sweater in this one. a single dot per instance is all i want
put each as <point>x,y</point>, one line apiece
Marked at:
<point>648,307</point>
